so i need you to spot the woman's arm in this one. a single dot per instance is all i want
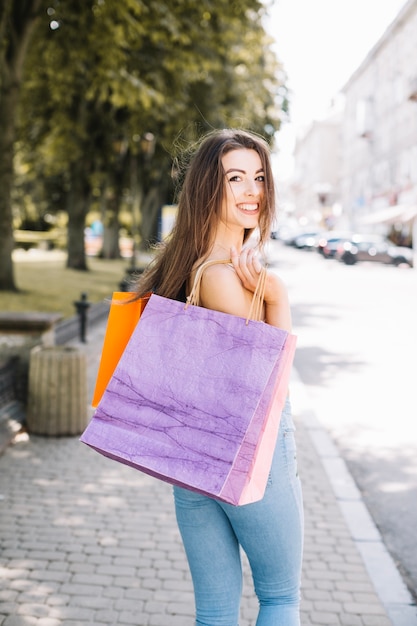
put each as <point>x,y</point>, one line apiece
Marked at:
<point>277,306</point>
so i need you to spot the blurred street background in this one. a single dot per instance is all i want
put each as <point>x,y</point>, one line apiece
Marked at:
<point>98,100</point>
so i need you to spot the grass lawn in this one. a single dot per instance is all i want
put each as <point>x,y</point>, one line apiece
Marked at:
<point>45,283</point>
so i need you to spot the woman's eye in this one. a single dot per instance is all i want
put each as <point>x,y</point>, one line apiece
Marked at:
<point>238,179</point>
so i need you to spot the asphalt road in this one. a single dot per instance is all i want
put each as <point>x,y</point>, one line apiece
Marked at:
<point>357,354</point>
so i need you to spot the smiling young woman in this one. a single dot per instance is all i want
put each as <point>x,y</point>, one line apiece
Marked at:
<point>227,192</point>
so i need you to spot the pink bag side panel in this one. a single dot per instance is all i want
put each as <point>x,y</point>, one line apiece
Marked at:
<point>238,475</point>
<point>183,394</point>
<point>272,399</point>
<point>258,475</point>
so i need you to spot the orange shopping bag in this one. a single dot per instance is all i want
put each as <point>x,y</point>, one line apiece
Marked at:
<point>121,322</point>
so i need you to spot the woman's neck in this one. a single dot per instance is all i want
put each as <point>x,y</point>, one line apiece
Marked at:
<point>226,239</point>
<point>221,250</point>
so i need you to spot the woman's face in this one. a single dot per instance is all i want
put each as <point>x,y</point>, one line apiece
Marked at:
<point>244,188</point>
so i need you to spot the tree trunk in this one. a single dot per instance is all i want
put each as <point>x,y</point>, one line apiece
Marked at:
<point>8,100</point>
<point>111,248</point>
<point>77,211</point>
<point>150,218</point>
<point>17,22</point>
<point>154,198</point>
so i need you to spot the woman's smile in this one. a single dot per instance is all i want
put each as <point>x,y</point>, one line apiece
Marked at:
<point>248,208</point>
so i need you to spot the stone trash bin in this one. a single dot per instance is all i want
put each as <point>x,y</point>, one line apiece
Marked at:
<point>57,391</point>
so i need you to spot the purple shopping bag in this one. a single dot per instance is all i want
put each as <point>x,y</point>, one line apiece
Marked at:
<point>190,396</point>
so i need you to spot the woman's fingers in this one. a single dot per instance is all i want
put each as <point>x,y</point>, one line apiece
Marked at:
<point>257,265</point>
<point>252,261</point>
<point>247,266</point>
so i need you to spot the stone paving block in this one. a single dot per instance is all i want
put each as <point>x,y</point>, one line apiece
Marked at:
<point>342,596</point>
<point>19,584</point>
<point>131,619</point>
<point>81,568</point>
<point>98,559</point>
<point>324,619</point>
<point>40,593</point>
<point>20,620</point>
<point>314,595</point>
<point>8,595</point>
<point>92,579</point>
<point>350,620</point>
<point>11,573</point>
<point>106,617</point>
<point>306,606</point>
<point>368,608</point>
<point>32,609</point>
<point>58,566</point>
<point>142,594</point>
<point>355,586</point>
<point>130,583</point>
<point>176,585</point>
<point>74,612</point>
<point>174,620</point>
<point>125,604</point>
<point>7,608</point>
<point>94,602</point>
<point>326,606</point>
<point>178,608</point>
<point>58,600</point>
<point>116,592</point>
<point>44,575</point>
<point>72,589</point>
<point>372,620</point>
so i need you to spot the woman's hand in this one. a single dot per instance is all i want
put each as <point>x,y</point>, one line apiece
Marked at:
<point>248,268</point>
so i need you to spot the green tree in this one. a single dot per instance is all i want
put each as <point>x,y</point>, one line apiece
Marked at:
<point>17,23</point>
<point>105,75</point>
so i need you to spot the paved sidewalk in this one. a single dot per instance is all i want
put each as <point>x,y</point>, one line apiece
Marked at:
<point>85,540</point>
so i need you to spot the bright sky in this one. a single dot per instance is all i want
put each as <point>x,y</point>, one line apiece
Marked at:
<point>320,44</point>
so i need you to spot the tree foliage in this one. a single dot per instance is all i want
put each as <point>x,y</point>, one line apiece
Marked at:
<point>113,87</point>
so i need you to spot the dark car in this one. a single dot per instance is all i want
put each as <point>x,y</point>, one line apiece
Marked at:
<point>303,240</point>
<point>362,248</point>
<point>328,243</point>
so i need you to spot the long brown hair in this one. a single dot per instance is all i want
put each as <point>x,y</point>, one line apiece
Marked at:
<point>199,206</point>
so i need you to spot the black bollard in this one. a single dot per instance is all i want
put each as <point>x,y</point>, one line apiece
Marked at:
<point>82,307</point>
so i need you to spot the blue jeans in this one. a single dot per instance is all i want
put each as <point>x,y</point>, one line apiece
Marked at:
<point>269,531</point>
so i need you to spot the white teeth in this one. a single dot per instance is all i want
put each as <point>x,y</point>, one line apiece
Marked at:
<point>248,207</point>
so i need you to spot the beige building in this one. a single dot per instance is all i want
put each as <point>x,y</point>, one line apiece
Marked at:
<point>316,185</point>
<point>366,160</point>
<point>379,142</point>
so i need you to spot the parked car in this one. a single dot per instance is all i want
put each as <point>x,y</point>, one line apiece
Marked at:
<point>368,248</point>
<point>304,240</point>
<point>328,243</point>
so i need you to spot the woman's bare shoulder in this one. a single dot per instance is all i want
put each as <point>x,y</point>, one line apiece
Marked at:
<point>222,290</point>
